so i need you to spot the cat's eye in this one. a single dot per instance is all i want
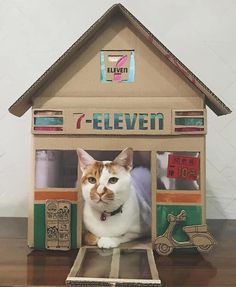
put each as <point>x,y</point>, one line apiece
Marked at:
<point>92,179</point>
<point>113,180</point>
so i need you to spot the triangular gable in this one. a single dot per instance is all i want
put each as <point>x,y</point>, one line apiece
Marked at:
<point>26,100</point>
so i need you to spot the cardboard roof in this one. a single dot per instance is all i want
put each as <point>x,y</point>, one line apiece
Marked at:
<point>26,100</point>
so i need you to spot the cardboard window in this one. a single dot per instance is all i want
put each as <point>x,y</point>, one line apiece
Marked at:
<point>56,169</point>
<point>96,264</point>
<point>178,170</point>
<point>117,66</point>
<point>47,121</point>
<point>48,129</point>
<point>189,113</point>
<point>189,129</point>
<point>189,121</point>
<point>47,113</point>
<point>134,264</point>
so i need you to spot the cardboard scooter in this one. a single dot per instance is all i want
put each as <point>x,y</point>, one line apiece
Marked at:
<point>199,236</point>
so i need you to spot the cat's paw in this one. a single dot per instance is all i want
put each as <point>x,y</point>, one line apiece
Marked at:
<point>108,242</point>
<point>90,238</point>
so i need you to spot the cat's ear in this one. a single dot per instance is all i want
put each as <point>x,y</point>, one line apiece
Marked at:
<point>84,159</point>
<point>125,158</point>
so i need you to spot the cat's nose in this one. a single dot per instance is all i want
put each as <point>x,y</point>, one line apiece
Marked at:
<point>101,189</point>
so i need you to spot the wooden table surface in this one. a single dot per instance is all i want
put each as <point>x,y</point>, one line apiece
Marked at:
<point>21,266</point>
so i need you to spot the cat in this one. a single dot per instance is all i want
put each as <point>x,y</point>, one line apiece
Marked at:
<point>116,199</point>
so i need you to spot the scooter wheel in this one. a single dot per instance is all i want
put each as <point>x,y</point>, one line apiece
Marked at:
<point>204,248</point>
<point>164,249</point>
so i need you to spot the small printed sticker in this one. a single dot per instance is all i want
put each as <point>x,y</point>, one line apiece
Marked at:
<point>183,167</point>
<point>58,225</point>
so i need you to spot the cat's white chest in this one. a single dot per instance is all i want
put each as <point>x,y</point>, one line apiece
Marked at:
<point>116,225</point>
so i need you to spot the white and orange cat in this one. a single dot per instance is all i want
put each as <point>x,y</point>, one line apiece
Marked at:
<point>116,199</point>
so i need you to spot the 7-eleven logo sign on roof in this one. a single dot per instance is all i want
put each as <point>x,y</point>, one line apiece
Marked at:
<point>117,65</point>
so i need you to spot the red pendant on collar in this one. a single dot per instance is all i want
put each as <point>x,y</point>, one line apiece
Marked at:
<point>103,216</point>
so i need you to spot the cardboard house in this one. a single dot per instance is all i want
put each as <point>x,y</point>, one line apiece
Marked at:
<point>118,86</point>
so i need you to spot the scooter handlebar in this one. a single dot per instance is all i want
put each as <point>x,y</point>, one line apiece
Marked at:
<point>181,216</point>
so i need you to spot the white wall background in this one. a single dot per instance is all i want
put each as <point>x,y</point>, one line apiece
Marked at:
<point>34,33</point>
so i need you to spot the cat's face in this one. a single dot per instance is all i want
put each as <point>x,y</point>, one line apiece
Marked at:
<point>106,184</point>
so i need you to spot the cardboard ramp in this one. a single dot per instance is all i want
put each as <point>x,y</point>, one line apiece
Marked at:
<point>114,267</point>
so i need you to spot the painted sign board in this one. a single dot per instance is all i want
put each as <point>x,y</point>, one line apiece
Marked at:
<point>115,121</point>
<point>109,122</point>
<point>121,122</point>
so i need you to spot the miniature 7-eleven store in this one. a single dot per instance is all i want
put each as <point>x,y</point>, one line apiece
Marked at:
<point>117,86</point>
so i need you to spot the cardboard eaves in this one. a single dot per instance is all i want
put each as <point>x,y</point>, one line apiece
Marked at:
<point>26,100</point>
